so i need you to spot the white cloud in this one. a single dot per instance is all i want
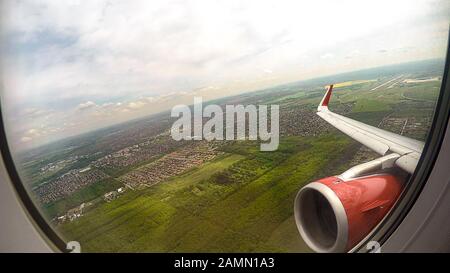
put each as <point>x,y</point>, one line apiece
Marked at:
<point>136,105</point>
<point>26,139</point>
<point>327,56</point>
<point>86,105</point>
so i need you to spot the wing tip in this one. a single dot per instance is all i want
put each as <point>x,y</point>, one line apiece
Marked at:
<point>326,97</point>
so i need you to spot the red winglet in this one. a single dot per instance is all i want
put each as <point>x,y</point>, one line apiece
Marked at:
<point>327,96</point>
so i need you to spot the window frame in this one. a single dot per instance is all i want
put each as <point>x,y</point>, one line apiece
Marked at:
<point>380,234</point>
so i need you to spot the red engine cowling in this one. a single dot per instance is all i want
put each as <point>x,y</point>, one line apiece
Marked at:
<point>333,215</point>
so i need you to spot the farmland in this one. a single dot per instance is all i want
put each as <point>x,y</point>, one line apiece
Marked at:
<point>198,211</point>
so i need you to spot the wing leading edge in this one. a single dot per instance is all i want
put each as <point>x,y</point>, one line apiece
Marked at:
<point>378,140</point>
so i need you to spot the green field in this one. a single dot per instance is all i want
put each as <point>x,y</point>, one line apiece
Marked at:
<point>366,105</point>
<point>196,212</point>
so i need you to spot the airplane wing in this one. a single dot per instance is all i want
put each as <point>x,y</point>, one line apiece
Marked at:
<point>381,141</point>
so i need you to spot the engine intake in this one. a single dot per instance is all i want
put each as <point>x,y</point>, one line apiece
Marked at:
<point>333,215</point>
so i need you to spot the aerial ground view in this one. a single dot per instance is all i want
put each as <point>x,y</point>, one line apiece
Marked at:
<point>131,187</point>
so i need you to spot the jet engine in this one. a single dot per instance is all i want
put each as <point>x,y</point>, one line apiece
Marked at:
<point>333,214</point>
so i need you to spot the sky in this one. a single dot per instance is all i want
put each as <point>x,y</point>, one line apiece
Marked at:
<point>69,67</point>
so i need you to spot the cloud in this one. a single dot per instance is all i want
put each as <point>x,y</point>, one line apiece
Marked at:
<point>136,105</point>
<point>327,56</point>
<point>85,62</point>
<point>26,139</point>
<point>35,112</point>
<point>353,54</point>
<point>86,105</point>
<point>31,134</point>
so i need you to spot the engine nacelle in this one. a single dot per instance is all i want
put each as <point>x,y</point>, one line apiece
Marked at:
<point>333,215</point>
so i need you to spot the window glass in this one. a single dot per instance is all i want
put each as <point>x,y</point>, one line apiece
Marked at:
<point>117,112</point>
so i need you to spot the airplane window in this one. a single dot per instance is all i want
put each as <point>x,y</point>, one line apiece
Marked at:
<point>233,126</point>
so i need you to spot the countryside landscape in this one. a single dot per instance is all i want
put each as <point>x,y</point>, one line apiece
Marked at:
<point>131,187</point>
